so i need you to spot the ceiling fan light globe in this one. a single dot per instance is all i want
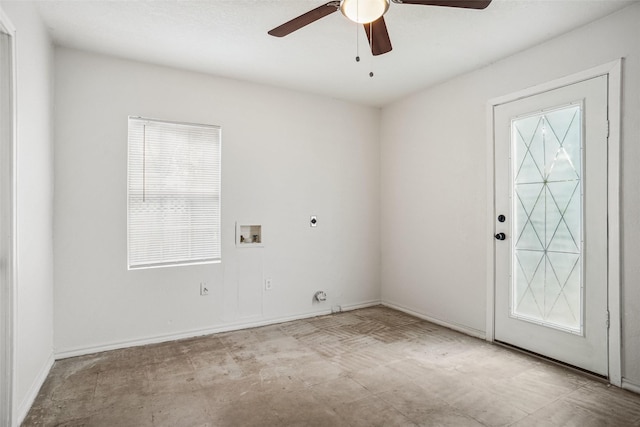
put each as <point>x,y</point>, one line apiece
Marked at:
<point>363,11</point>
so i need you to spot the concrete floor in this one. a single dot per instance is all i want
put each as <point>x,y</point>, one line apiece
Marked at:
<point>369,367</point>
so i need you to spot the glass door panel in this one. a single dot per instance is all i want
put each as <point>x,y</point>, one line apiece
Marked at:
<point>546,280</point>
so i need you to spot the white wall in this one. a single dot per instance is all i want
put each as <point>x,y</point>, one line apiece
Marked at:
<point>433,179</point>
<point>285,156</point>
<point>34,311</point>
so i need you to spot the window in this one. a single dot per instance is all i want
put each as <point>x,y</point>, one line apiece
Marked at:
<point>173,193</point>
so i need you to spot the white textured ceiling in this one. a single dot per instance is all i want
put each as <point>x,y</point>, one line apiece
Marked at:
<point>229,38</point>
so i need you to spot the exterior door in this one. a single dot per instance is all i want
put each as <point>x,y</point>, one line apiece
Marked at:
<point>551,224</point>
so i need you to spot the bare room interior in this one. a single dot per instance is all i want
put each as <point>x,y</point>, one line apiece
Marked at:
<point>285,212</point>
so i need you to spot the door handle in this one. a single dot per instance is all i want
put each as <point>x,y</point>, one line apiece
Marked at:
<point>500,236</point>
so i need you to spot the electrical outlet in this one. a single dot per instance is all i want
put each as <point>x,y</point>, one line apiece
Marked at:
<point>268,284</point>
<point>204,289</point>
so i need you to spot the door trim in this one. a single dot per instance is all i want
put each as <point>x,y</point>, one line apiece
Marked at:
<point>8,241</point>
<point>613,70</point>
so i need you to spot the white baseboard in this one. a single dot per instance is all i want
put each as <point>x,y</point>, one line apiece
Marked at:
<point>27,402</point>
<point>348,307</point>
<point>456,327</point>
<point>81,351</point>
<point>630,386</point>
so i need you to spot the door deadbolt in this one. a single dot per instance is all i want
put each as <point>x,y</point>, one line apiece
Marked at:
<point>502,218</point>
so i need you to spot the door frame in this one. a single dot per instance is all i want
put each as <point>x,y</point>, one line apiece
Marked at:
<point>8,241</point>
<point>613,70</point>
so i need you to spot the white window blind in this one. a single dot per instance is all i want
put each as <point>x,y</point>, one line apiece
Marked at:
<point>173,193</point>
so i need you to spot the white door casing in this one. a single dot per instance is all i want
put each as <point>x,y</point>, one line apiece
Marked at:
<point>7,217</point>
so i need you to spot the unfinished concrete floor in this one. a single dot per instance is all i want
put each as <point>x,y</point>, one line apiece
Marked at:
<point>369,367</point>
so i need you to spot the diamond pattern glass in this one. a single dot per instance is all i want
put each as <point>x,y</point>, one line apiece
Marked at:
<point>546,285</point>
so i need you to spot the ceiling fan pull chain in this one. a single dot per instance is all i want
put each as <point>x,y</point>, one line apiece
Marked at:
<point>357,43</point>
<point>357,28</point>
<point>371,63</point>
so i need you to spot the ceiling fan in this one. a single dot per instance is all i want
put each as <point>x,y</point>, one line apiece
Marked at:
<point>370,13</point>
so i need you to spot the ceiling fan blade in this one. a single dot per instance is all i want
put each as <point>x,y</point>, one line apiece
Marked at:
<point>378,36</point>
<point>466,4</point>
<point>305,19</point>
